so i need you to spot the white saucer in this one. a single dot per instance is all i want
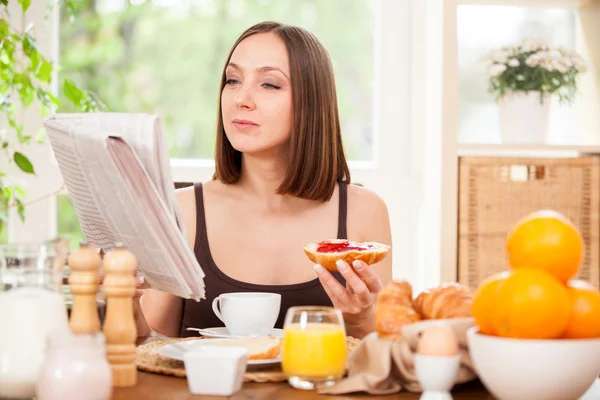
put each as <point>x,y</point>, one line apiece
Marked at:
<point>222,332</point>
<point>170,351</point>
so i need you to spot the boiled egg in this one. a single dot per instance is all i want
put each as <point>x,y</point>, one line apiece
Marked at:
<point>438,340</point>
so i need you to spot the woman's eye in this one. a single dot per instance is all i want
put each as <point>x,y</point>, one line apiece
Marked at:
<point>270,86</point>
<point>231,82</point>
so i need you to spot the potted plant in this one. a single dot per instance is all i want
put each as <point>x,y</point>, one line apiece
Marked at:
<point>26,80</point>
<point>524,78</point>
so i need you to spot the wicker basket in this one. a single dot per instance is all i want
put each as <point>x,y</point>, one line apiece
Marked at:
<point>495,192</point>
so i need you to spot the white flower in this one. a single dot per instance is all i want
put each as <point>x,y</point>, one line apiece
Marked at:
<point>554,55</point>
<point>501,57</point>
<point>548,64</point>
<point>533,60</point>
<point>560,66</point>
<point>530,44</point>
<point>513,62</point>
<point>579,63</point>
<point>497,69</point>
<point>543,55</point>
<point>521,77</point>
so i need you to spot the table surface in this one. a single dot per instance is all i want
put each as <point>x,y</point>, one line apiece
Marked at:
<point>157,387</point>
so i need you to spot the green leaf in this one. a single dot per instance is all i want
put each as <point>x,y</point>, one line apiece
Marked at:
<point>4,2</point>
<point>4,145</point>
<point>20,209</point>
<point>4,28</point>
<point>73,93</point>
<point>40,136</point>
<point>44,72</point>
<point>23,162</point>
<point>19,192</point>
<point>25,5</point>
<point>27,94</point>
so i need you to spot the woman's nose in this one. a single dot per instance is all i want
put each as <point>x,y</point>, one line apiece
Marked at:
<point>243,98</point>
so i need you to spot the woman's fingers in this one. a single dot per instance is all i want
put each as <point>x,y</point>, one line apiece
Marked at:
<point>140,285</point>
<point>353,280</point>
<point>336,292</point>
<point>367,275</point>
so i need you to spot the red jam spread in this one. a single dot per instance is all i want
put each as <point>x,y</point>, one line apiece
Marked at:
<point>335,247</point>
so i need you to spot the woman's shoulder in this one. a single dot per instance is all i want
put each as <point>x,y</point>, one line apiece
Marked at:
<point>367,213</point>
<point>187,194</point>
<point>362,199</point>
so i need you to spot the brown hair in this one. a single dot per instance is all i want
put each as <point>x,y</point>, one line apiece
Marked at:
<point>317,160</point>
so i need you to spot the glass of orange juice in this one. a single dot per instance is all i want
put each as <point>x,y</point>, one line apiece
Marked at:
<point>314,347</point>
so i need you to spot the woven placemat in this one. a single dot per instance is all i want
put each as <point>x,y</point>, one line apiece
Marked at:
<point>147,359</point>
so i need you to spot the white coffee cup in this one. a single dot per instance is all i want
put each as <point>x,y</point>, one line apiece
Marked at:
<point>248,313</point>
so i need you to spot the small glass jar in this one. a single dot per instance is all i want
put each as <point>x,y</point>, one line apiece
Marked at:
<point>75,368</point>
<point>31,307</point>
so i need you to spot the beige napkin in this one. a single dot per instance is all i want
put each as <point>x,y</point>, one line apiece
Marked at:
<point>380,366</point>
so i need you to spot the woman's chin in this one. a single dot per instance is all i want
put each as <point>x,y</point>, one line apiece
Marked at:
<point>256,148</point>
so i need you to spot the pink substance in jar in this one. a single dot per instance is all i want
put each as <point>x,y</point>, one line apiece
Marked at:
<point>75,368</point>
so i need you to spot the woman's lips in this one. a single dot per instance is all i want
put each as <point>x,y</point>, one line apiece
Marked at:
<point>244,125</point>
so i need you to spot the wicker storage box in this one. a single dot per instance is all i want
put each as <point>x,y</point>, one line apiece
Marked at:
<point>495,192</point>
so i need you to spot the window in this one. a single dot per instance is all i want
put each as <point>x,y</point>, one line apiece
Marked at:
<point>482,29</point>
<point>68,224</point>
<point>166,57</point>
<point>124,52</point>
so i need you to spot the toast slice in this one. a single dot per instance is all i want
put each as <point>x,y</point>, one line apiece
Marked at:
<point>326,253</point>
<point>259,348</point>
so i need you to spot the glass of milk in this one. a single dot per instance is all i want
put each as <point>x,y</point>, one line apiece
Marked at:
<point>31,307</point>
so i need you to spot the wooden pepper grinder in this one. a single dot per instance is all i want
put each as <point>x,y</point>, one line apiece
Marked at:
<point>83,282</point>
<point>119,325</point>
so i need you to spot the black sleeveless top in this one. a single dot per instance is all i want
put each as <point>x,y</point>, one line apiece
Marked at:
<point>200,314</point>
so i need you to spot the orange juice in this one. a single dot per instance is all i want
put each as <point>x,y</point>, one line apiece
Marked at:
<point>318,350</point>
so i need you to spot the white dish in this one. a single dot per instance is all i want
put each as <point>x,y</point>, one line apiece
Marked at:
<point>170,351</point>
<point>222,332</point>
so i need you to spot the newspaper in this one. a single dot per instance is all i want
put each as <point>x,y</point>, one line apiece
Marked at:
<point>116,170</point>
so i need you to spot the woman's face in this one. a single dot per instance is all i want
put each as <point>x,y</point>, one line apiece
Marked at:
<point>256,102</point>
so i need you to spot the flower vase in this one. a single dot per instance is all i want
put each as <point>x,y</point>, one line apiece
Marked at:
<point>524,118</point>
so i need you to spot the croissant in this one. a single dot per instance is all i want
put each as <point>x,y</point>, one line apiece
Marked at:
<point>450,300</point>
<point>394,309</point>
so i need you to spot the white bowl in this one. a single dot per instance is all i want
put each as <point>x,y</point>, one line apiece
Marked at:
<point>517,369</point>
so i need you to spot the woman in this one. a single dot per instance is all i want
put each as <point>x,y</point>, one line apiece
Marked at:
<point>281,181</point>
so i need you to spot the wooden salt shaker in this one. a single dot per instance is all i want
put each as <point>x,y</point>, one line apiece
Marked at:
<point>119,325</point>
<point>83,282</point>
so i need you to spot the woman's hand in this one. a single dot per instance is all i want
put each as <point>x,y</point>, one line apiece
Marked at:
<point>357,299</point>
<point>143,329</point>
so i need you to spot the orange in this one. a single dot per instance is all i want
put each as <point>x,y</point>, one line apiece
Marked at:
<point>546,240</point>
<point>585,311</point>
<point>531,304</point>
<point>484,302</point>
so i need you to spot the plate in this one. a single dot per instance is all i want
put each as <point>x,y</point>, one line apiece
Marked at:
<point>222,332</point>
<point>170,351</point>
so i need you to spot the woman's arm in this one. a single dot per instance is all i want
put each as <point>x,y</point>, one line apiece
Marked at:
<point>160,311</point>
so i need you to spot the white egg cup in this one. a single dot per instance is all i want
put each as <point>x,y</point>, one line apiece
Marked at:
<point>437,375</point>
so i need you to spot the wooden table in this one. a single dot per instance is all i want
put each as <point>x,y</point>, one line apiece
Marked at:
<point>159,387</point>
